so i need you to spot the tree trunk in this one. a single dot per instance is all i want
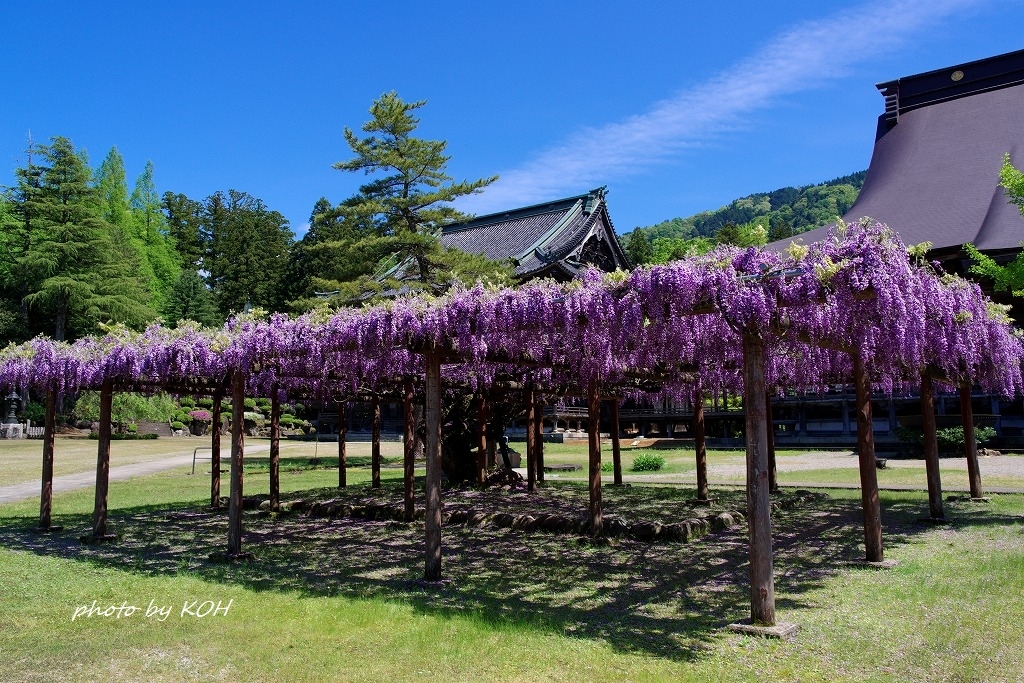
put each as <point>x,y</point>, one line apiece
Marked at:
<point>49,430</point>
<point>342,435</point>
<point>218,396</point>
<point>970,442</point>
<point>375,446</point>
<point>99,515</point>
<point>481,439</point>
<point>531,443</point>
<point>432,522</point>
<point>700,445</point>
<point>870,504</point>
<point>237,458</point>
<point>275,450</point>
<point>931,447</point>
<point>762,582</point>
<point>594,439</point>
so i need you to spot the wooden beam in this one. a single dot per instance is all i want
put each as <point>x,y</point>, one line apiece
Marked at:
<point>538,437</point>
<point>531,442</point>
<point>970,442</point>
<point>931,447</point>
<point>773,476</point>
<point>594,440</point>
<point>870,504</point>
<point>218,396</point>
<point>762,582</point>
<point>237,458</point>
<point>375,445</point>
<point>700,445</point>
<point>616,442</point>
<point>342,435</point>
<point>481,438</point>
<point>409,451</point>
<point>432,484</point>
<point>99,513</point>
<point>49,430</point>
<point>275,449</point>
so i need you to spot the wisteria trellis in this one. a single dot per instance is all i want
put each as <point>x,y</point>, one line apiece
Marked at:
<point>850,307</point>
<point>675,323</point>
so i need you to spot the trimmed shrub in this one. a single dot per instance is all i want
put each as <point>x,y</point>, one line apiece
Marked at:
<point>200,415</point>
<point>187,402</point>
<point>177,425</point>
<point>648,462</point>
<point>205,402</point>
<point>250,404</point>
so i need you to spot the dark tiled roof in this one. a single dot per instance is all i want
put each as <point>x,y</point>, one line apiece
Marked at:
<point>934,176</point>
<point>534,237</point>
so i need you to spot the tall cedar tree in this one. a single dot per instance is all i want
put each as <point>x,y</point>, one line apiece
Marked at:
<point>185,228</point>
<point>83,271</point>
<point>20,231</point>
<point>247,254</point>
<point>189,299</point>
<point>398,216</point>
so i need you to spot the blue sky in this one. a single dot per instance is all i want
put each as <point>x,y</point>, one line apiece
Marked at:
<point>676,107</point>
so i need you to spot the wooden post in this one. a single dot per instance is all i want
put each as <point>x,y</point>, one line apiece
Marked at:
<point>594,439</point>
<point>237,458</point>
<point>481,439</point>
<point>275,449</point>
<point>49,429</point>
<point>432,521</point>
<point>531,443</point>
<point>218,396</point>
<point>375,445</point>
<point>970,442</point>
<point>773,477</point>
<point>931,447</point>
<point>616,443</point>
<point>762,582</point>
<point>700,445</point>
<point>342,434</point>
<point>870,504</point>
<point>538,437</point>
<point>409,451</point>
<point>99,514</point>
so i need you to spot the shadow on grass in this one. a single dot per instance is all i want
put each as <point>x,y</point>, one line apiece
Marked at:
<point>662,599</point>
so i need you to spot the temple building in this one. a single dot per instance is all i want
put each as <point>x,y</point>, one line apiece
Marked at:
<point>933,177</point>
<point>553,240</point>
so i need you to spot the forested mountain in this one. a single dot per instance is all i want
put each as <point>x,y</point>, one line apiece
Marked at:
<point>779,214</point>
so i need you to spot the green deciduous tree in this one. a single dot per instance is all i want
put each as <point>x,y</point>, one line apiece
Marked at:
<point>1010,276</point>
<point>638,248</point>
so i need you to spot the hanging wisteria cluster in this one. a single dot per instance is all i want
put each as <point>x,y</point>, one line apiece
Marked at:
<point>658,331</point>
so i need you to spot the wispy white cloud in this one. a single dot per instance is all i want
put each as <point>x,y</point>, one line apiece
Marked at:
<point>807,55</point>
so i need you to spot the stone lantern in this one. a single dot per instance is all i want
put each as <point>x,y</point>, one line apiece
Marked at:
<point>13,401</point>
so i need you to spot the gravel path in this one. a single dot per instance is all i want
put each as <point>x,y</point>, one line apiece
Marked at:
<point>80,480</point>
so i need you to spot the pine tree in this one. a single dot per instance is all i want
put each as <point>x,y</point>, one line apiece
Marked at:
<point>185,228</point>
<point>402,211</point>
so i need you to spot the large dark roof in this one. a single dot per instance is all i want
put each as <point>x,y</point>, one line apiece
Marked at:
<point>540,237</point>
<point>934,173</point>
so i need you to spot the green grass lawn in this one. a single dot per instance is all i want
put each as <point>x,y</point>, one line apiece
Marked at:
<point>341,600</point>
